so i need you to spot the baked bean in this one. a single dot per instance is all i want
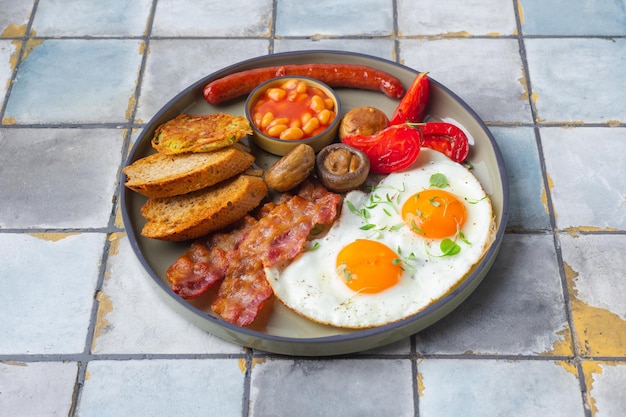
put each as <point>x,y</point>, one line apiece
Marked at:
<point>293,110</point>
<point>267,119</point>
<point>292,133</point>
<point>276,94</point>
<point>324,116</point>
<point>279,121</point>
<point>317,104</point>
<point>310,126</point>
<point>301,87</point>
<point>276,130</point>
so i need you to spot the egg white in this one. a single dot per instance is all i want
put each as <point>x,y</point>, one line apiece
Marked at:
<point>311,286</point>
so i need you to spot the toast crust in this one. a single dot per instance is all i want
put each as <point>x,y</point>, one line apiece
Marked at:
<point>159,175</point>
<point>196,214</point>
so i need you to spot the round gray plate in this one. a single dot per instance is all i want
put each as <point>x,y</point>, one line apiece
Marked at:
<point>283,331</point>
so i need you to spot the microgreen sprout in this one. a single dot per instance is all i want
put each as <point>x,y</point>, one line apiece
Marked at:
<point>438,180</point>
<point>406,262</point>
<point>450,247</point>
<point>343,270</point>
<point>363,213</point>
<point>476,201</point>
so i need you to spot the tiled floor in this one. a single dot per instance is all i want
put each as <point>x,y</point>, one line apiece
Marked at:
<point>81,334</point>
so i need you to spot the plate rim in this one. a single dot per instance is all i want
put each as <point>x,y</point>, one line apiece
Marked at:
<point>339,339</point>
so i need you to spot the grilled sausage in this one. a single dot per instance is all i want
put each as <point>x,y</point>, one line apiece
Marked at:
<point>335,75</point>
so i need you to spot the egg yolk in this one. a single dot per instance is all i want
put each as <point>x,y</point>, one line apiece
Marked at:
<point>367,266</point>
<point>435,214</point>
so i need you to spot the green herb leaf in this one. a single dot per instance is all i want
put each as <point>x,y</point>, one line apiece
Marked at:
<point>368,226</point>
<point>438,180</point>
<point>396,227</point>
<point>416,228</point>
<point>476,201</point>
<point>449,247</point>
<point>463,238</point>
<point>433,202</point>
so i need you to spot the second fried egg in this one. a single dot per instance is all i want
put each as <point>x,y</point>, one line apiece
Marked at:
<point>394,250</point>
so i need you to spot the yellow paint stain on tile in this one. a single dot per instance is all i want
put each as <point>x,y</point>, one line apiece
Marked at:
<point>114,238</point>
<point>14,363</point>
<point>87,375</point>
<point>31,44</point>
<point>544,194</point>
<point>420,385</point>
<point>520,11</point>
<point>53,237</point>
<point>575,231</point>
<point>105,306</point>
<point>460,34</point>
<point>563,345</point>
<point>242,365</point>
<point>257,361</point>
<point>590,369</point>
<point>600,332</point>
<point>568,366</point>
<point>9,120</point>
<point>525,96</point>
<point>131,105</point>
<point>13,31</point>
<point>614,123</point>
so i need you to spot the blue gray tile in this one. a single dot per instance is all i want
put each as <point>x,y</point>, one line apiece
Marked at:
<point>37,388</point>
<point>586,172</point>
<point>578,80</point>
<point>527,195</point>
<point>77,81</point>
<point>236,18</point>
<point>573,17</point>
<point>8,57</point>
<point>594,267</point>
<point>110,18</point>
<point>382,48</point>
<point>356,387</point>
<point>162,387</point>
<point>606,382</point>
<point>486,73</point>
<point>47,284</point>
<point>437,18</point>
<point>173,65</point>
<point>490,388</point>
<point>332,18</point>
<point>517,310</point>
<point>58,178</point>
<point>133,318</point>
<point>14,17</point>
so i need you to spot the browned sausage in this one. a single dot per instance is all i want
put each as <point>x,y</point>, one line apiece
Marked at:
<point>335,75</point>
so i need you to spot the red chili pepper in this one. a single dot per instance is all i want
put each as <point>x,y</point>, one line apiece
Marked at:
<point>412,107</point>
<point>391,149</point>
<point>446,138</point>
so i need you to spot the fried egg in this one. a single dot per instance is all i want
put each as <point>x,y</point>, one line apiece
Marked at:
<point>394,250</point>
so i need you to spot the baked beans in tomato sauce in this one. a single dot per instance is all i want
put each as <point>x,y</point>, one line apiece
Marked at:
<point>293,110</point>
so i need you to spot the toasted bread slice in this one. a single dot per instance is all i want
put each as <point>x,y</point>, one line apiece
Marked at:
<point>196,214</point>
<point>159,175</point>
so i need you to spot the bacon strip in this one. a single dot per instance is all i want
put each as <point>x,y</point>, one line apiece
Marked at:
<point>238,259</point>
<point>206,262</point>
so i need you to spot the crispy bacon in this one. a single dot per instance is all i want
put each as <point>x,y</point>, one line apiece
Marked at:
<point>206,262</point>
<point>238,259</point>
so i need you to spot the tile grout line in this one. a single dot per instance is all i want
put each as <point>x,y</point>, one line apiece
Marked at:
<point>552,216</point>
<point>20,56</point>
